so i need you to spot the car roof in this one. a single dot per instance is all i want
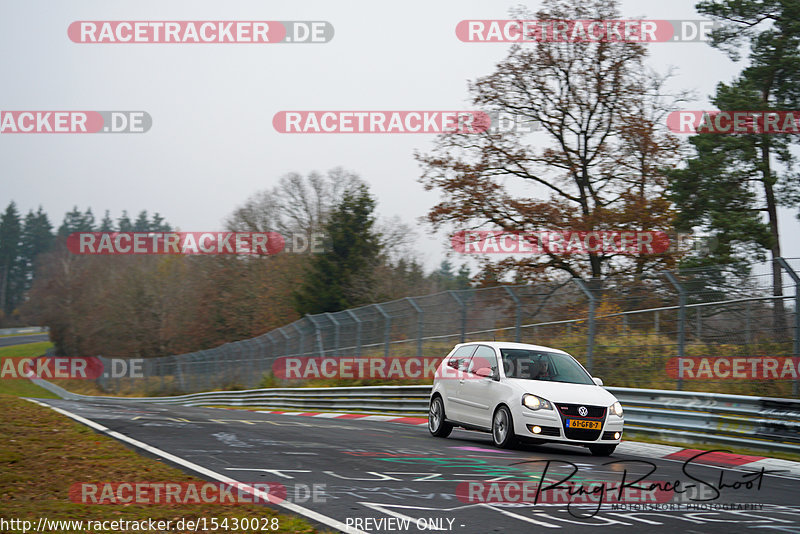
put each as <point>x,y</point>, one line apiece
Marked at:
<point>511,345</point>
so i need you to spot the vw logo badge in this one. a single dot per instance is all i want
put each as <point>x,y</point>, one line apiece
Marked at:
<point>582,411</point>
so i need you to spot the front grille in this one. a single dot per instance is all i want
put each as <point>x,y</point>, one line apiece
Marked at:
<point>571,410</point>
<point>581,434</point>
<point>547,430</point>
<point>595,413</point>
<point>610,434</point>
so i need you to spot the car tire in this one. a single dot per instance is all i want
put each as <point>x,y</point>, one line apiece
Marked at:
<point>602,450</point>
<point>503,428</point>
<point>437,423</point>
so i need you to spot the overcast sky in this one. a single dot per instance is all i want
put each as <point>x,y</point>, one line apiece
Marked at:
<point>212,143</point>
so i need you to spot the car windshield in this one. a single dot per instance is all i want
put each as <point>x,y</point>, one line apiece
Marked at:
<point>541,365</point>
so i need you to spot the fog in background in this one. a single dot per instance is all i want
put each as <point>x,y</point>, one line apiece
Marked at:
<point>212,143</point>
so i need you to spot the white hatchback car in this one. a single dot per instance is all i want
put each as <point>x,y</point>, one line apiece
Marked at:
<point>538,394</point>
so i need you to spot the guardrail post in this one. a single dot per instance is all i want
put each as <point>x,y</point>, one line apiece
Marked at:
<point>318,335</point>
<point>358,321</point>
<point>517,313</point>
<point>420,324</point>
<point>681,324</point>
<point>336,326</point>
<point>796,278</point>
<point>387,330</point>
<point>463,314</point>
<point>590,341</point>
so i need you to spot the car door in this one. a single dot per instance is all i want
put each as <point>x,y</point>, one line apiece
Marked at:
<point>455,367</point>
<point>479,395</point>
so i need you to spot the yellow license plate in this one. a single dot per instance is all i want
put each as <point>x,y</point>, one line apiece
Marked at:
<point>580,423</point>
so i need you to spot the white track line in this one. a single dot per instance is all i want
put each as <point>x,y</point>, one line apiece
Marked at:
<point>325,520</point>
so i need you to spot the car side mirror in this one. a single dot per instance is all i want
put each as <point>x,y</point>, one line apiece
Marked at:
<point>598,381</point>
<point>485,372</point>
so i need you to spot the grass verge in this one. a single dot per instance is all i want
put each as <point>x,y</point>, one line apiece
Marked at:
<point>20,387</point>
<point>43,454</point>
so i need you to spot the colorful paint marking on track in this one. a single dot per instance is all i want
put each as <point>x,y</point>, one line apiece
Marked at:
<point>647,450</point>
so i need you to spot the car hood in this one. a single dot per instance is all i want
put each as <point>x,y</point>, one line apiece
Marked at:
<point>564,393</point>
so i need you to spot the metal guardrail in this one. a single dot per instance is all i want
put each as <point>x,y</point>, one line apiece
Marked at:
<point>762,423</point>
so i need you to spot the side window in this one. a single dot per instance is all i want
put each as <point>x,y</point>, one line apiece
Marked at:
<point>460,357</point>
<point>484,357</point>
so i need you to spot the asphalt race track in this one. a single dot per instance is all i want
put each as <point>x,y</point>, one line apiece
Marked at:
<point>21,340</point>
<point>368,471</point>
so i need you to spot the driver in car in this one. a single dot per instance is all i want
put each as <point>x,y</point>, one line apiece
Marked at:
<point>540,370</point>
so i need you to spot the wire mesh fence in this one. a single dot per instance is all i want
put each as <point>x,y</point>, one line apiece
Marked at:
<point>702,330</point>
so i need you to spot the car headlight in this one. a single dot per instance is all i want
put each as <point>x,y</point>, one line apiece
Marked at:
<point>616,409</point>
<point>535,403</point>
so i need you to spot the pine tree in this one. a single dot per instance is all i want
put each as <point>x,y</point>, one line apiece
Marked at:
<point>735,180</point>
<point>106,225</point>
<point>37,238</point>
<point>463,279</point>
<point>75,221</point>
<point>339,278</point>
<point>124,222</point>
<point>158,224</point>
<point>11,274</point>
<point>142,223</point>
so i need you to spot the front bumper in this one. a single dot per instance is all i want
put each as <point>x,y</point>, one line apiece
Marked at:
<point>552,428</point>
